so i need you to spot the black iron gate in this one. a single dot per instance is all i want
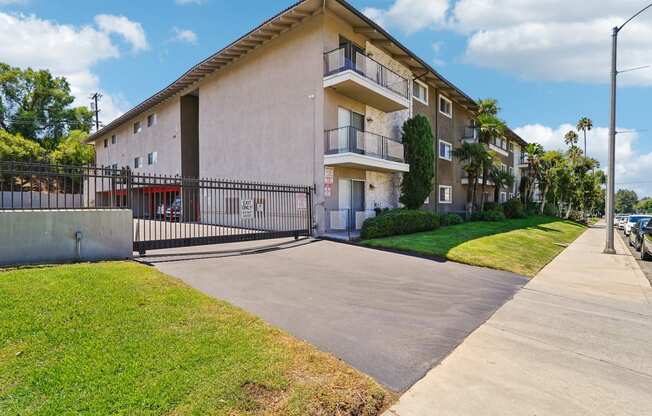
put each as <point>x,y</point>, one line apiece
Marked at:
<point>168,211</point>
<point>177,212</point>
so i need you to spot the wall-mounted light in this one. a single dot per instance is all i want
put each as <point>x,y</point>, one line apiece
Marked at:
<point>370,120</point>
<point>372,186</point>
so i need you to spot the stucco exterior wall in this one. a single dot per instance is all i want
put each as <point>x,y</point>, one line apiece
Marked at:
<point>257,120</point>
<point>163,138</point>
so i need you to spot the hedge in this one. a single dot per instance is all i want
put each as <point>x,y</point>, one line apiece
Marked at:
<point>398,222</point>
<point>450,219</point>
<point>514,209</point>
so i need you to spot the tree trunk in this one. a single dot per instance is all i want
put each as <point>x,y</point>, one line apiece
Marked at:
<point>543,200</point>
<point>469,197</point>
<point>496,192</point>
<point>484,187</point>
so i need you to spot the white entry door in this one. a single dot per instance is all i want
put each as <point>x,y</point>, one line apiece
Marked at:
<point>343,122</point>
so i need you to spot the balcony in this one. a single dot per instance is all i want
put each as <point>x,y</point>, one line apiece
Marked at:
<point>523,161</point>
<point>350,147</point>
<point>470,134</point>
<point>361,78</point>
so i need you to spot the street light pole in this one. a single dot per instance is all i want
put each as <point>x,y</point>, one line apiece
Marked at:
<point>611,172</point>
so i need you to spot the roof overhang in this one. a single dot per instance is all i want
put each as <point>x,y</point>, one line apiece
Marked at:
<point>282,22</point>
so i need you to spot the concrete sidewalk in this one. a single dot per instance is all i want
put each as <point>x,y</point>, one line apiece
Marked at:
<point>577,340</point>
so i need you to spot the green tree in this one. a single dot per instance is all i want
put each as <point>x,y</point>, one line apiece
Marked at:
<point>73,151</point>
<point>570,138</point>
<point>644,206</point>
<point>501,179</point>
<point>549,163</point>
<point>584,125</point>
<point>472,156</point>
<point>16,148</point>
<point>625,201</point>
<point>38,106</point>
<point>416,185</point>
<point>534,152</point>
<point>488,106</point>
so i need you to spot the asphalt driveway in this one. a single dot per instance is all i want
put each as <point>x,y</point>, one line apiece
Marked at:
<point>391,316</point>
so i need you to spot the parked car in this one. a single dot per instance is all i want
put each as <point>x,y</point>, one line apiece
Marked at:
<point>631,220</point>
<point>170,212</point>
<point>646,244</point>
<point>636,235</point>
<point>622,221</point>
<point>617,219</point>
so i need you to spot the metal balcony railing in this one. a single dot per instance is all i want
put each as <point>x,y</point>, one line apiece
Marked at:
<point>470,134</point>
<point>343,59</point>
<point>352,140</point>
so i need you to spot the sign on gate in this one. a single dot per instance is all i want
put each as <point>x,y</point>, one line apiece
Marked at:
<point>247,209</point>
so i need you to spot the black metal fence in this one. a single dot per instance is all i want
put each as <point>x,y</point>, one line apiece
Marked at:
<point>168,211</point>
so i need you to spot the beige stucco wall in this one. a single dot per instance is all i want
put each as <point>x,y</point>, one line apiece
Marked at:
<point>163,138</point>
<point>256,118</point>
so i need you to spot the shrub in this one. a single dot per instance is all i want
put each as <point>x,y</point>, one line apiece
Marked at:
<point>550,210</point>
<point>399,221</point>
<point>493,206</point>
<point>493,216</point>
<point>476,216</point>
<point>450,219</point>
<point>514,209</point>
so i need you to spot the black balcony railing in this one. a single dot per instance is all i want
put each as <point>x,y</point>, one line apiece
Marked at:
<point>352,140</point>
<point>523,159</point>
<point>343,59</point>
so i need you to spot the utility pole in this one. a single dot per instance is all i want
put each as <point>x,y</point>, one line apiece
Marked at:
<point>611,172</point>
<point>96,109</point>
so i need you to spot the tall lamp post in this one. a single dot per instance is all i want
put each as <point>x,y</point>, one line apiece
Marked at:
<point>611,173</point>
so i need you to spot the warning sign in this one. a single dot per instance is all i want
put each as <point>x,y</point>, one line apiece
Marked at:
<point>247,209</point>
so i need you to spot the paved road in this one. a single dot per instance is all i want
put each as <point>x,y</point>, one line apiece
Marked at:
<point>577,340</point>
<point>646,266</point>
<point>391,316</point>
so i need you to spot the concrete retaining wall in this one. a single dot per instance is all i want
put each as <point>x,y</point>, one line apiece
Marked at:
<point>41,236</point>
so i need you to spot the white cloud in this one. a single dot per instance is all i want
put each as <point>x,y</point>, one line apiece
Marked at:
<point>184,35</point>
<point>65,50</point>
<point>410,15</point>
<point>555,39</point>
<point>130,31</point>
<point>12,2</point>
<point>631,166</point>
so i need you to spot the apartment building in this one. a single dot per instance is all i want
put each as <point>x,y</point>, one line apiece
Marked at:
<point>314,96</point>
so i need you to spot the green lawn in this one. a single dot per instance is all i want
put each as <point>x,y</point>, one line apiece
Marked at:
<point>121,338</point>
<point>521,246</point>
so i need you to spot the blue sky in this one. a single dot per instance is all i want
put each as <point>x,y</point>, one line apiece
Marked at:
<point>546,61</point>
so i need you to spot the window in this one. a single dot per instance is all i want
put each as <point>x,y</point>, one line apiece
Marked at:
<point>420,91</point>
<point>137,127</point>
<point>152,158</point>
<point>151,120</point>
<point>503,167</point>
<point>114,166</point>
<point>503,197</point>
<point>445,106</point>
<point>511,147</point>
<point>445,194</point>
<point>138,162</point>
<point>445,150</point>
<point>511,170</point>
<point>106,143</point>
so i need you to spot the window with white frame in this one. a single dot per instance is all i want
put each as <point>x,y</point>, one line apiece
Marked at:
<point>137,127</point>
<point>445,194</point>
<point>420,91</point>
<point>445,106</point>
<point>445,150</point>
<point>151,120</point>
<point>114,139</point>
<point>152,158</point>
<point>138,162</point>
<point>503,197</point>
<point>106,142</point>
<point>510,146</point>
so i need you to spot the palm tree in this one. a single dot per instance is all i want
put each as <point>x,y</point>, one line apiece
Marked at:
<point>585,124</point>
<point>570,138</point>
<point>472,156</point>
<point>501,179</point>
<point>534,152</point>
<point>488,106</point>
<point>490,128</point>
<point>549,164</point>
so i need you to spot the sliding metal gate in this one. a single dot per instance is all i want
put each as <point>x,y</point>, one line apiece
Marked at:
<point>168,211</point>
